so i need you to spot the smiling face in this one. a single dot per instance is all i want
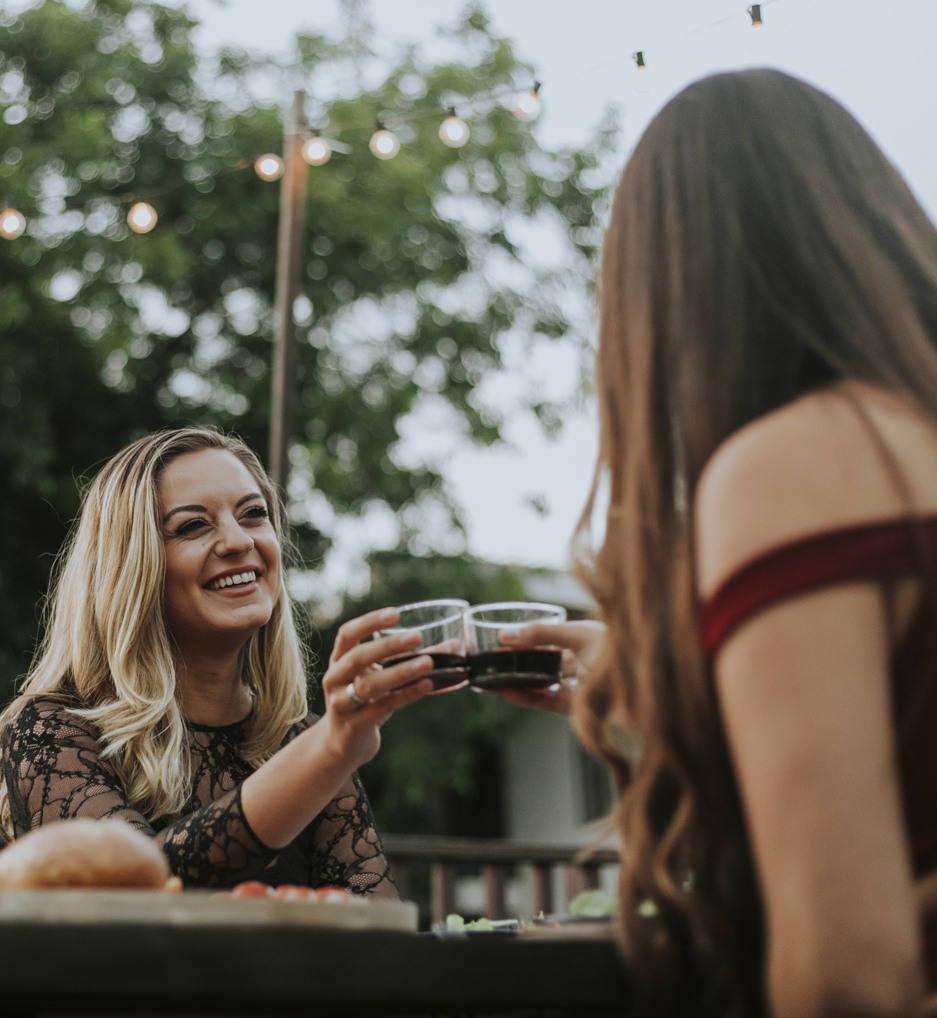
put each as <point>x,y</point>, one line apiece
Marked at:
<point>222,554</point>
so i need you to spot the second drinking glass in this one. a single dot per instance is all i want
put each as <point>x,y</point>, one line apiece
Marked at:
<point>495,666</point>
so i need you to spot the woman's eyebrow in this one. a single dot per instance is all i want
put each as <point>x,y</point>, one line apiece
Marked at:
<point>201,509</point>
<point>184,509</point>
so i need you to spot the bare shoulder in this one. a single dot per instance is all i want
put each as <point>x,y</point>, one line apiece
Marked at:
<point>834,457</point>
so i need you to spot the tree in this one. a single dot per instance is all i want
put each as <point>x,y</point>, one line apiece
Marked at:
<point>415,282</point>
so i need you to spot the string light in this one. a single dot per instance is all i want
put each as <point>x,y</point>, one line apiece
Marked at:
<point>12,223</point>
<point>384,144</point>
<point>454,131</point>
<point>316,151</point>
<point>527,106</point>
<point>269,166</point>
<point>142,217</point>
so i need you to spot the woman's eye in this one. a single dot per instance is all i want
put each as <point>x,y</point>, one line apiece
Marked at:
<point>257,512</point>
<point>190,527</point>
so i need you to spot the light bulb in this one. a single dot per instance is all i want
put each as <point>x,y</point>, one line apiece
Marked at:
<point>12,223</point>
<point>316,150</point>
<point>454,131</point>
<point>754,12</point>
<point>269,166</point>
<point>384,144</point>
<point>142,217</point>
<point>527,106</point>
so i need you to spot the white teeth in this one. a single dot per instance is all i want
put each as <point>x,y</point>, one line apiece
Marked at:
<point>233,581</point>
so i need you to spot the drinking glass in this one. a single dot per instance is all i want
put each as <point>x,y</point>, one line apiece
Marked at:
<point>494,666</point>
<point>439,623</point>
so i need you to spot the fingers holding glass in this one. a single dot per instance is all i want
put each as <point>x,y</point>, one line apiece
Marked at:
<point>438,623</point>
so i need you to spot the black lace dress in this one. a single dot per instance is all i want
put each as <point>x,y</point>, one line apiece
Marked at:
<point>52,765</point>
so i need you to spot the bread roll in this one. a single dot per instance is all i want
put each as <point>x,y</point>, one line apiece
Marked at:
<point>83,853</point>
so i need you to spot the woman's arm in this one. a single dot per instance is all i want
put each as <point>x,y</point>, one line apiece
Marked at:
<point>805,699</point>
<point>804,688</point>
<point>54,769</point>
<point>286,794</point>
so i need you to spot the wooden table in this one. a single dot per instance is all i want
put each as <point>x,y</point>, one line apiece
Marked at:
<point>163,968</point>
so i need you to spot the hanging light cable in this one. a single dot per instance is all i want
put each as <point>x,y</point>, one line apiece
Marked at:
<point>454,131</point>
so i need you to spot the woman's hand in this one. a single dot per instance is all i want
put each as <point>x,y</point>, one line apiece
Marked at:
<point>362,690</point>
<point>580,642</point>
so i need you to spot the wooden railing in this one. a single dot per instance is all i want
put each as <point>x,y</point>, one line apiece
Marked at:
<point>443,861</point>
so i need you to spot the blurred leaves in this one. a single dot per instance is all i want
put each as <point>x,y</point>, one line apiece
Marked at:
<point>418,274</point>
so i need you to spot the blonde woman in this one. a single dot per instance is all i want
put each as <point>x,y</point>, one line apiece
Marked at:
<point>170,688</point>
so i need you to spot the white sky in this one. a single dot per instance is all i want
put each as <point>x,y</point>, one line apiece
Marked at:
<point>878,57</point>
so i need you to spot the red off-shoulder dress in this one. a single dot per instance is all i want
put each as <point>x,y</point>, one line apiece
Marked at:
<point>881,549</point>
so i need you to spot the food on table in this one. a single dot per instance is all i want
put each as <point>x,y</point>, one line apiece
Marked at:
<point>81,853</point>
<point>457,924</point>
<point>594,903</point>
<point>289,892</point>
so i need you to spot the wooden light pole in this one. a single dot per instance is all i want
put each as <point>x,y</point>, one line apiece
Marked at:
<point>289,247</point>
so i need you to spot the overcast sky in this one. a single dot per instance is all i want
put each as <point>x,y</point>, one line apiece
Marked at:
<point>876,57</point>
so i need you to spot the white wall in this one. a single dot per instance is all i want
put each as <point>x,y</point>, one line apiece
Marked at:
<point>543,795</point>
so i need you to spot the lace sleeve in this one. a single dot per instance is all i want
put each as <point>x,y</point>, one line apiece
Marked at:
<point>346,848</point>
<point>53,770</point>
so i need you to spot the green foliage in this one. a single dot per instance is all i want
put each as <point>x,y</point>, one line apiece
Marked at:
<point>413,278</point>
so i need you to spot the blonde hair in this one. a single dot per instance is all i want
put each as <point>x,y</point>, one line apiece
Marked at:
<point>106,637</point>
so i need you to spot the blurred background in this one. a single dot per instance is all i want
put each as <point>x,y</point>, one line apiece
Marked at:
<point>441,432</point>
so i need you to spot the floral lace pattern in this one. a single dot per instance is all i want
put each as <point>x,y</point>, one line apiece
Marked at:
<point>51,762</point>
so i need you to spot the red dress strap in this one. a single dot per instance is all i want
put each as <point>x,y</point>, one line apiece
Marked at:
<point>864,550</point>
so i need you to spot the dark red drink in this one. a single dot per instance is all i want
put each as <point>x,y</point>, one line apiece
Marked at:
<point>533,668</point>
<point>450,671</point>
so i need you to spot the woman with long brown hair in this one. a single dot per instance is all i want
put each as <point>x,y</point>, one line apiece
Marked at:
<point>766,689</point>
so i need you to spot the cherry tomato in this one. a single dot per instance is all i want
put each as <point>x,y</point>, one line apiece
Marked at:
<point>292,892</point>
<point>332,894</point>
<point>251,889</point>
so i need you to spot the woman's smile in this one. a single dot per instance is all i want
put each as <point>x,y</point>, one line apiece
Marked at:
<point>222,554</point>
<point>234,583</point>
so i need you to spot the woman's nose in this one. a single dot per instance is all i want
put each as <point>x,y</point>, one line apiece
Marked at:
<point>232,538</point>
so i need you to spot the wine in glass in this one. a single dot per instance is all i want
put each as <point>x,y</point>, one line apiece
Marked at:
<point>495,666</point>
<point>439,623</point>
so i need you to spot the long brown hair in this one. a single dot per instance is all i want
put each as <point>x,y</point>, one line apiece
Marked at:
<point>760,246</point>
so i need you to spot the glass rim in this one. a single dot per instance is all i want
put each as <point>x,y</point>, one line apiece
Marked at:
<point>475,610</point>
<point>457,604</point>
